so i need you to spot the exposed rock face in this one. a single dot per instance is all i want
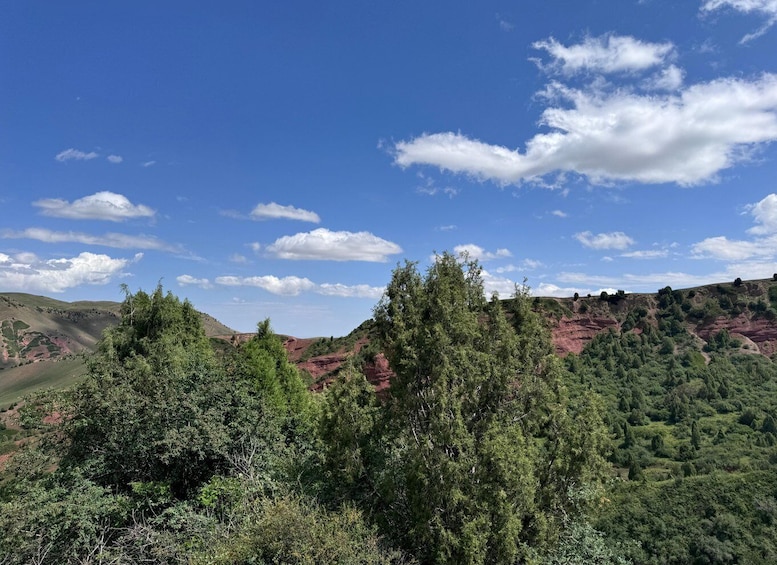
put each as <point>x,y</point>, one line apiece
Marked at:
<point>570,335</point>
<point>760,331</point>
<point>379,373</point>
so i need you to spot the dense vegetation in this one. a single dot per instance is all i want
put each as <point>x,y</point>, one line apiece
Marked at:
<point>694,431</point>
<point>651,446</point>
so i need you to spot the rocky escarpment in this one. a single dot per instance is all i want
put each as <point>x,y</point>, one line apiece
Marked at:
<point>761,332</point>
<point>569,335</point>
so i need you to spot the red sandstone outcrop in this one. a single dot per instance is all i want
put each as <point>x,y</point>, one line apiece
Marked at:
<point>570,335</point>
<point>760,331</point>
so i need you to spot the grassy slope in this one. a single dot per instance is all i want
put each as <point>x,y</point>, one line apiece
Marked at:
<point>17,382</point>
<point>79,324</point>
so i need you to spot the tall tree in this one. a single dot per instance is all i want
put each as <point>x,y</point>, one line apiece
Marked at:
<point>156,405</point>
<point>486,450</point>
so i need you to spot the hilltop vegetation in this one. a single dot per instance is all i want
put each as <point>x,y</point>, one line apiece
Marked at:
<point>43,341</point>
<point>651,439</point>
<point>171,451</point>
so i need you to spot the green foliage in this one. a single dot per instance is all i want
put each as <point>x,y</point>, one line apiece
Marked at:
<point>265,362</point>
<point>294,530</point>
<point>484,447</point>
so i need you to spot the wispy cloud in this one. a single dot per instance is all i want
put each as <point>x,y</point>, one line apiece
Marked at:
<point>351,291</point>
<point>476,252</point>
<point>25,272</point>
<point>646,254</point>
<point>325,245</point>
<point>767,9</point>
<point>115,159</point>
<point>525,265</point>
<point>75,155</point>
<point>99,206</point>
<point>188,280</point>
<point>286,286</point>
<point>147,164</point>
<point>605,54</point>
<point>273,211</point>
<point>116,240</point>
<point>612,240</point>
<point>289,286</point>
<point>559,214</point>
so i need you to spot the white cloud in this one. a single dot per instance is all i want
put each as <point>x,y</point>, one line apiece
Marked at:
<point>115,159</point>
<point>323,244</point>
<point>612,240</point>
<point>148,164</point>
<point>237,258</point>
<point>99,206</point>
<point>276,211</point>
<point>117,240</point>
<point>526,265</point>
<point>685,138</point>
<point>670,78</point>
<point>765,214</point>
<point>255,246</point>
<point>188,280</point>
<point>606,54</point>
<point>351,291</point>
<point>286,286</point>
<point>548,289</point>
<point>646,254</point>
<point>559,214</point>
<point>75,155</point>
<point>764,8</point>
<point>501,285</point>
<point>476,252</point>
<point>721,247</point>
<point>57,275</point>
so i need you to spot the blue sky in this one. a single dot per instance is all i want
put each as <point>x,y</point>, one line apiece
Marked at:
<point>279,159</point>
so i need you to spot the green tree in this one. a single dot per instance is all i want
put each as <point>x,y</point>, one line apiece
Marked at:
<point>485,450</point>
<point>157,406</point>
<point>265,362</point>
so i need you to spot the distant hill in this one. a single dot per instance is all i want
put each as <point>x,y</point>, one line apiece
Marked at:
<point>41,340</point>
<point>747,310</point>
<point>37,329</point>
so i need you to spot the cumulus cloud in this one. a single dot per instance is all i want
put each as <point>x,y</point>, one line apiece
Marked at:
<point>686,137</point>
<point>612,240</point>
<point>188,280</point>
<point>75,155</point>
<point>767,9</point>
<point>476,252</point>
<point>25,272</point>
<point>117,240</point>
<point>765,214</point>
<point>351,291</point>
<point>276,211</point>
<point>323,244</point>
<point>286,286</point>
<point>99,206</point>
<point>492,283</point>
<point>604,54</point>
<point>115,159</point>
<point>720,247</point>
